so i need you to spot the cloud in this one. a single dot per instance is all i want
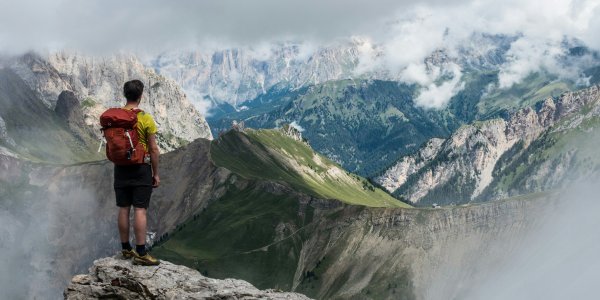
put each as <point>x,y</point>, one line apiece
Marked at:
<point>297,126</point>
<point>528,56</point>
<point>556,260</point>
<point>412,27</point>
<point>433,94</point>
<point>395,36</point>
<point>141,24</point>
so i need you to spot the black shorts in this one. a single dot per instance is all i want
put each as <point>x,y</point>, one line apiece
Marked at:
<point>138,196</point>
<point>133,185</point>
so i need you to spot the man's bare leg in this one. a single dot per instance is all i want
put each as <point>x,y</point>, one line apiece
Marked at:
<point>139,226</point>
<point>123,221</point>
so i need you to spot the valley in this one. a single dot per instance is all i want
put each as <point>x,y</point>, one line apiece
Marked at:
<point>281,233</point>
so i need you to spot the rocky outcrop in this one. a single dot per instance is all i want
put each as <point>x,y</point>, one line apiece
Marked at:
<point>464,165</point>
<point>4,137</point>
<point>97,83</point>
<point>113,277</point>
<point>397,175</point>
<point>68,108</point>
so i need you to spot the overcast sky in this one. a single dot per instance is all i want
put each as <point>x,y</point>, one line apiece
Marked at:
<point>111,25</point>
<point>405,32</point>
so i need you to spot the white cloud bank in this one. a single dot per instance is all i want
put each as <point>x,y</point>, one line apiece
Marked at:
<point>407,29</point>
<point>397,35</point>
<point>297,126</point>
<point>434,95</point>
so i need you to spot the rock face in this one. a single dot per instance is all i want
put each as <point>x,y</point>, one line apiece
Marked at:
<point>68,108</point>
<point>97,83</point>
<point>414,253</point>
<point>113,277</point>
<point>397,175</point>
<point>236,75</point>
<point>474,157</point>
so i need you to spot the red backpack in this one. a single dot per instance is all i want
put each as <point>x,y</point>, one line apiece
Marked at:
<point>122,141</point>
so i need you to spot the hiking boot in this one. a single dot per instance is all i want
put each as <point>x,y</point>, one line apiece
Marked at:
<point>127,254</point>
<point>146,260</point>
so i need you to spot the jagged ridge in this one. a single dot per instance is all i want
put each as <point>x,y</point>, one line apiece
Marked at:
<point>480,161</point>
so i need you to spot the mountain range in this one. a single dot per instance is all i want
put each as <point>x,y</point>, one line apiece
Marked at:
<point>367,120</point>
<point>234,76</point>
<point>325,188</point>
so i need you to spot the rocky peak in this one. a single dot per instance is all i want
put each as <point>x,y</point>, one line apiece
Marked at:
<point>96,82</point>
<point>116,278</point>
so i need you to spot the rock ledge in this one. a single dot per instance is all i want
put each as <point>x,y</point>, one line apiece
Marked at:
<point>116,278</point>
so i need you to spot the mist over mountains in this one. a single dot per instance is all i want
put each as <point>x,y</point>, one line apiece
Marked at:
<point>236,75</point>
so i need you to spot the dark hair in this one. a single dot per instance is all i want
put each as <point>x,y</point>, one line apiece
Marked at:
<point>133,89</point>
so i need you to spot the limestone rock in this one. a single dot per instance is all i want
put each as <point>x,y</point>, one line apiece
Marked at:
<point>113,277</point>
<point>97,83</point>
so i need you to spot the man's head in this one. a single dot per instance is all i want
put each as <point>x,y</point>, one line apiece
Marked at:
<point>132,90</point>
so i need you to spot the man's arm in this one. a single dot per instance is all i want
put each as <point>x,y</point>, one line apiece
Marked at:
<point>154,153</point>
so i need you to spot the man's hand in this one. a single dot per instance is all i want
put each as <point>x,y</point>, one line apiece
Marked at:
<point>154,152</point>
<point>155,181</point>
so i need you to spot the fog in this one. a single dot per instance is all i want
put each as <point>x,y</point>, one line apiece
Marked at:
<point>558,260</point>
<point>50,229</point>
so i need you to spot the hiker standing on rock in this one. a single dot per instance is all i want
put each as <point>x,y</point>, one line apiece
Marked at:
<point>130,136</point>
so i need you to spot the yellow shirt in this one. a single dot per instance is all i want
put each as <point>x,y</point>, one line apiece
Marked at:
<point>146,127</point>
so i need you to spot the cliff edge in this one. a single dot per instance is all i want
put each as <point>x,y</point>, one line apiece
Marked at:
<point>115,278</point>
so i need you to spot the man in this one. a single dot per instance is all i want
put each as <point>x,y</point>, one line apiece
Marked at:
<point>134,183</point>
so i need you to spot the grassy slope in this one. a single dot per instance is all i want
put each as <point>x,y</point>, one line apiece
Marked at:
<point>536,87</point>
<point>270,155</point>
<point>265,229</point>
<point>265,236</point>
<point>248,218</point>
<point>260,236</point>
